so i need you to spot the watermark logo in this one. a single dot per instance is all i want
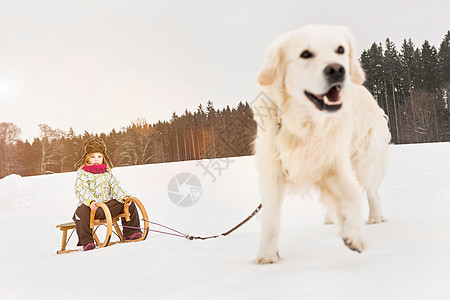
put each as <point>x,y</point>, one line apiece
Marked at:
<point>184,189</point>
<point>265,110</point>
<point>214,167</point>
<point>237,136</point>
<point>233,141</point>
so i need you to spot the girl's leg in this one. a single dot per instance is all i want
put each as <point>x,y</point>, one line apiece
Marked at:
<point>82,220</point>
<point>116,208</point>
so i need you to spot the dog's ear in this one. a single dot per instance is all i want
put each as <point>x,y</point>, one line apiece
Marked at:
<point>272,66</point>
<point>356,71</point>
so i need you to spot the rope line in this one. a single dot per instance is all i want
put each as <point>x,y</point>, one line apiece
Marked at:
<point>229,231</point>
<point>163,232</point>
<point>190,237</point>
<point>183,235</point>
<point>168,233</point>
<point>154,223</point>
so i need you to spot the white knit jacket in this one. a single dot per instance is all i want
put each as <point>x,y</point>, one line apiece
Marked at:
<point>98,187</point>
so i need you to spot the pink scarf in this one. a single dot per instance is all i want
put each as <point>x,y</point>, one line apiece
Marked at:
<point>95,169</point>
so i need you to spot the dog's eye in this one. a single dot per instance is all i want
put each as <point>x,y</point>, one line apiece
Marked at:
<point>306,54</point>
<point>340,50</point>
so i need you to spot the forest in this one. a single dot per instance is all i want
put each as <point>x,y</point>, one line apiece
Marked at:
<point>410,84</point>
<point>206,133</point>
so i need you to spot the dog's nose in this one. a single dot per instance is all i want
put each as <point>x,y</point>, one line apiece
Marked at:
<point>334,73</point>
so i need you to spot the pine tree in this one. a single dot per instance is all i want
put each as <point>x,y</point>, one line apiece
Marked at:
<point>26,159</point>
<point>444,60</point>
<point>211,123</point>
<point>372,62</point>
<point>410,65</point>
<point>392,69</point>
<point>429,67</point>
<point>202,139</point>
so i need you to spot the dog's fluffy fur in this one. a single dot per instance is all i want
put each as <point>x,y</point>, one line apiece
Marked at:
<point>335,143</point>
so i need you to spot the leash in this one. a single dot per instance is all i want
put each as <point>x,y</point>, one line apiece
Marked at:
<point>177,233</point>
<point>190,237</point>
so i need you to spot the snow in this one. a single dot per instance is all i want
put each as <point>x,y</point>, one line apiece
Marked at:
<point>407,258</point>
<point>13,194</point>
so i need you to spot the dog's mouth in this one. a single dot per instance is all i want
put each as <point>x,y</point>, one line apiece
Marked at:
<point>330,101</point>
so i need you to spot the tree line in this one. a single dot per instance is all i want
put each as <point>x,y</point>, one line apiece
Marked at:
<point>206,133</point>
<point>411,85</point>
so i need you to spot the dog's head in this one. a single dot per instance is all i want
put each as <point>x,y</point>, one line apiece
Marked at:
<point>313,65</point>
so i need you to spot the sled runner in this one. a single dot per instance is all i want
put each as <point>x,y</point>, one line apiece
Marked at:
<point>110,222</point>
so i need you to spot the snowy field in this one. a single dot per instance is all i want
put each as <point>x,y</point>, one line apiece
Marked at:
<point>406,258</point>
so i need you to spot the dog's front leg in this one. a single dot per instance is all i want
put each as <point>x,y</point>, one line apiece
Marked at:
<point>272,193</point>
<point>341,194</point>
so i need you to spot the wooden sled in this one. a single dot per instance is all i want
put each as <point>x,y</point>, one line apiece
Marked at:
<point>110,222</point>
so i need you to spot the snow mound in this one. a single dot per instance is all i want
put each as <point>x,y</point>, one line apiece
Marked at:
<point>13,194</point>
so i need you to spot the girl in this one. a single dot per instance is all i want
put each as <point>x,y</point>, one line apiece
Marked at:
<point>96,183</point>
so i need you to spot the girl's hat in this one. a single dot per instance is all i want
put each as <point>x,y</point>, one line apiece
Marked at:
<point>93,145</point>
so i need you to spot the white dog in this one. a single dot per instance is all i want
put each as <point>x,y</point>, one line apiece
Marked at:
<point>329,132</point>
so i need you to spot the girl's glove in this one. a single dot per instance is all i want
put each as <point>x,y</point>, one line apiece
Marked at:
<point>93,206</point>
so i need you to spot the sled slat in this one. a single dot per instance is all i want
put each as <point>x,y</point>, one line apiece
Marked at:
<point>66,226</point>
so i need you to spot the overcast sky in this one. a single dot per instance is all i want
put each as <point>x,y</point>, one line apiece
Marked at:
<point>98,65</point>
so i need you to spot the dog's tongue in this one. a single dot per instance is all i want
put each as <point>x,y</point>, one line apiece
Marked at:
<point>333,94</point>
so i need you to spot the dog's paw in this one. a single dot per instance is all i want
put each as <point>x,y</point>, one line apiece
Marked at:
<point>268,259</point>
<point>354,244</point>
<point>352,236</point>
<point>376,220</point>
<point>327,221</point>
